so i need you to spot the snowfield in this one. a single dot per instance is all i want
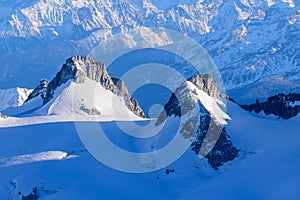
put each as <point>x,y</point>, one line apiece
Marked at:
<point>35,156</point>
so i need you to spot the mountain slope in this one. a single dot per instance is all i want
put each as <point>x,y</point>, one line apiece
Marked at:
<point>13,97</point>
<point>199,106</point>
<point>82,86</point>
<point>267,167</point>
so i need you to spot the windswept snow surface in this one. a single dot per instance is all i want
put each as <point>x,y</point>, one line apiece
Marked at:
<point>35,157</point>
<point>268,167</point>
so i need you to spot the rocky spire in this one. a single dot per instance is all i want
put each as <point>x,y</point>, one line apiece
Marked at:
<point>206,84</point>
<point>198,124</point>
<point>173,107</point>
<point>285,106</point>
<point>79,68</point>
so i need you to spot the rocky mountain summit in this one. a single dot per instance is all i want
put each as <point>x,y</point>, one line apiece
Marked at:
<point>174,107</point>
<point>282,105</point>
<point>201,123</point>
<point>78,69</point>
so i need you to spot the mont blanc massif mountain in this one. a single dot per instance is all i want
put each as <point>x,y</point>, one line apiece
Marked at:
<point>239,145</point>
<point>49,161</point>
<point>253,43</point>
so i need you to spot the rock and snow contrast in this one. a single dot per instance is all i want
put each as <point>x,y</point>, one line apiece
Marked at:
<point>285,106</point>
<point>199,104</point>
<point>50,160</point>
<point>82,89</point>
<point>229,147</point>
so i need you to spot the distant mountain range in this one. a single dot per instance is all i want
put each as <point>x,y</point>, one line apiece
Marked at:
<point>253,43</point>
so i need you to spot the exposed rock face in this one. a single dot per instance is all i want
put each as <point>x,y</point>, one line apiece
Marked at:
<point>40,90</point>
<point>223,150</point>
<point>173,107</point>
<point>201,127</point>
<point>34,195</point>
<point>285,106</point>
<point>206,84</point>
<point>90,111</point>
<point>130,102</point>
<point>79,68</point>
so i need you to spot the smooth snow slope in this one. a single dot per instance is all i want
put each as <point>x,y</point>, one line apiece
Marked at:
<point>268,168</point>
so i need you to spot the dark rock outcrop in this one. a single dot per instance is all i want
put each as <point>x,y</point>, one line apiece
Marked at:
<point>79,68</point>
<point>223,150</point>
<point>40,90</point>
<point>3,116</point>
<point>181,107</point>
<point>202,128</point>
<point>34,195</point>
<point>285,106</point>
<point>90,111</point>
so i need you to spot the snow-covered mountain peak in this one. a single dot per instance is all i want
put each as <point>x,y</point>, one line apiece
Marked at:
<point>197,91</point>
<point>198,104</point>
<point>86,72</point>
<point>82,86</point>
<point>13,97</point>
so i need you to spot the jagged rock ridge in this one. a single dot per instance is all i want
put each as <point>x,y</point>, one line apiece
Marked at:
<point>282,105</point>
<point>40,90</point>
<point>198,126</point>
<point>78,69</point>
<point>223,150</point>
<point>173,107</point>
